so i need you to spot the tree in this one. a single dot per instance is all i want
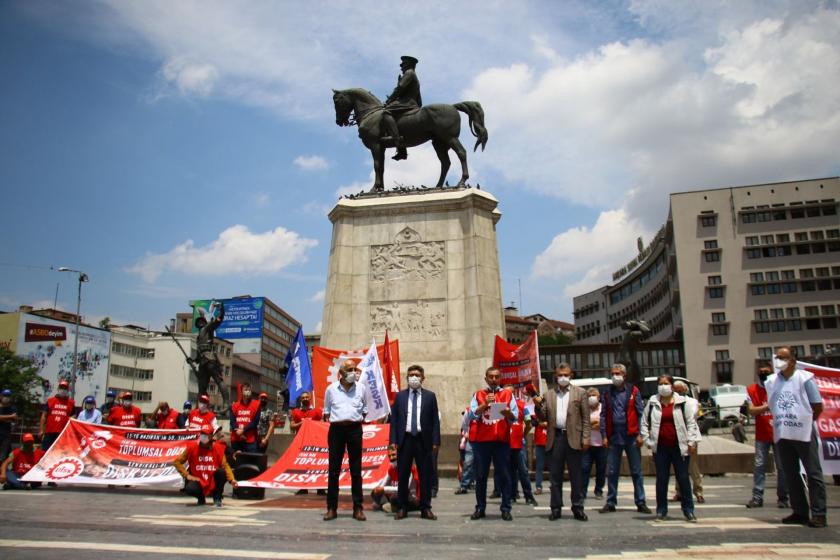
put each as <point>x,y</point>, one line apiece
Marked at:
<point>557,339</point>
<point>105,323</point>
<point>19,375</point>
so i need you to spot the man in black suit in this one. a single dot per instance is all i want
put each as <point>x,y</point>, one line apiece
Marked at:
<point>415,436</point>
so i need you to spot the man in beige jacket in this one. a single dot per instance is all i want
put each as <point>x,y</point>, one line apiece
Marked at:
<point>566,410</point>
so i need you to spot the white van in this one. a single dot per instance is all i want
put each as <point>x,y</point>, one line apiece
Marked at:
<point>728,399</point>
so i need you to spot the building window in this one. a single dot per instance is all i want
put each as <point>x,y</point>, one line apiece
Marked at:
<point>712,256</point>
<point>789,287</point>
<point>783,251</point>
<point>765,353</point>
<point>752,240</point>
<point>757,290</point>
<point>761,327</point>
<point>760,314</point>
<point>832,233</point>
<point>720,330</point>
<point>830,210</point>
<point>710,244</point>
<point>806,272</point>
<point>718,317</point>
<point>714,281</point>
<point>766,239</point>
<point>829,323</point>
<point>792,312</point>
<point>753,253</point>
<point>756,277</point>
<point>774,288</point>
<point>794,325</point>
<point>716,292</point>
<point>779,215</point>
<point>797,213</point>
<point>748,218</point>
<point>812,324</point>
<point>772,276</point>
<point>827,310</point>
<point>817,235</point>
<point>723,366</point>
<point>816,349</point>
<point>708,221</point>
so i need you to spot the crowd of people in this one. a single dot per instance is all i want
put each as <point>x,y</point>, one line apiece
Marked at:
<point>575,431</point>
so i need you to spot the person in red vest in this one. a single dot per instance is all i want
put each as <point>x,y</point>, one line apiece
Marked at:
<point>55,415</point>
<point>19,463</point>
<point>166,418</point>
<point>518,465</point>
<point>244,419</point>
<point>494,409</point>
<point>540,439</point>
<point>757,407</point>
<point>305,410</point>
<point>126,415</point>
<point>207,468</point>
<point>202,415</point>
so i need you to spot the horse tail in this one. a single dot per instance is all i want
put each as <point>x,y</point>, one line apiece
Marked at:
<point>476,114</point>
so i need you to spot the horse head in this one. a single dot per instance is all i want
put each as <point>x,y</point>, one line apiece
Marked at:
<point>353,104</point>
<point>343,107</point>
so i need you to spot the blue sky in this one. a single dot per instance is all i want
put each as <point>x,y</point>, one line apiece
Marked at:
<point>186,150</point>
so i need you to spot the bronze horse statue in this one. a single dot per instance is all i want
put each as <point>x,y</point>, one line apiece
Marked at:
<point>439,123</point>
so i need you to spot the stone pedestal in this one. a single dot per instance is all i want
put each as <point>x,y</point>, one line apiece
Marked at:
<point>424,266</point>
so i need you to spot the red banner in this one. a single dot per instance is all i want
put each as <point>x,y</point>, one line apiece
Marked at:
<point>98,454</point>
<point>519,365</point>
<point>325,364</point>
<point>305,463</point>
<point>828,424</point>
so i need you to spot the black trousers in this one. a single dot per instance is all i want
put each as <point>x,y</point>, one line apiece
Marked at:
<point>341,437</point>
<point>194,489</point>
<point>413,451</point>
<point>562,456</point>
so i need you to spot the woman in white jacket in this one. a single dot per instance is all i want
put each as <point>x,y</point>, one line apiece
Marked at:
<point>670,431</point>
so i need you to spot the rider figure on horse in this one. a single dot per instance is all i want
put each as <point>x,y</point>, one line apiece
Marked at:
<point>404,98</point>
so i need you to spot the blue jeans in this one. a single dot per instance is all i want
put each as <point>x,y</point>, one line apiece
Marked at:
<point>598,457</point>
<point>664,458</point>
<point>13,480</point>
<point>762,455</point>
<point>634,458</point>
<point>539,460</point>
<point>468,470</point>
<point>519,470</point>
<point>499,453</point>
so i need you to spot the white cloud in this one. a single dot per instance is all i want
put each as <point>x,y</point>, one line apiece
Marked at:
<point>236,251</point>
<point>311,163</point>
<point>261,199</point>
<point>190,77</point>
<point>584,258</point>
<point>318,326</point>
<point>317,296</point>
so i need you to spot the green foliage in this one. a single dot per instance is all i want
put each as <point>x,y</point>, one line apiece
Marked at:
<point>105,323</point>
<point>19,375</point>
<point>555,340</point>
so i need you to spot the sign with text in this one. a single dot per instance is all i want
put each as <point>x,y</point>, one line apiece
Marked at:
<point>828,423</point>
<point>519,365</point>
<point>326,363</point>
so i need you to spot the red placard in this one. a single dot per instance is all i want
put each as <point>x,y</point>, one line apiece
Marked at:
<point>519,365</point>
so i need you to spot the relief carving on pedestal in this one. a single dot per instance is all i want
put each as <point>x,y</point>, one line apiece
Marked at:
<point>411,320</point>
<point>407,259</point>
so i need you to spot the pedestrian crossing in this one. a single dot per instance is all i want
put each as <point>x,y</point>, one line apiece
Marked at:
<point>164,551</point>
<point>726,551</point>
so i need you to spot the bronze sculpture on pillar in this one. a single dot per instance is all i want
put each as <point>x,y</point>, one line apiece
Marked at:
<point>209,366</point>
<point>636,331</point>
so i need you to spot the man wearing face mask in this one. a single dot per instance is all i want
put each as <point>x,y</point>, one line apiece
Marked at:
<point>184,415</point>
<point>757,406</point>
<point>202,416</point>
<point>56,413</point>
<point>166,418</point>
<point>494,410</point>
<point>415,437</point>
<point>244,419</point>
<point>89,412</point>
<point>8,416</point>
<point>621,409</point>
<point>126,415</point>
<point>566,409</point>
<point>345,409</point>
<point>106,407</point>
<point>19,463</point>
<point>305,410</point>
<point>795,404</point>
<point>208,468</point>
<point>266,425</point>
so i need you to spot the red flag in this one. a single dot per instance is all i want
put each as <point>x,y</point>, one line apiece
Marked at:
<point>519,365</point>
<point>326,361</point>
<point>392,378</point>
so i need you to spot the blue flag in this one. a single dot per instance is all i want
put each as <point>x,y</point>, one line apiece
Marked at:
<point>299,374</point>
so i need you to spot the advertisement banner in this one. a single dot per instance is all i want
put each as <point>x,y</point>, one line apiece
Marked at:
<point>326,362</point>
<point>828,424</point>
<point>305,463</point>
<point>243,317</point>
<point>99,454</point>
<point>48,344</point>
<point>519,365</point>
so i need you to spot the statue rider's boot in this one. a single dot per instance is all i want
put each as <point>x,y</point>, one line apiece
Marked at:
<point>401,152</point>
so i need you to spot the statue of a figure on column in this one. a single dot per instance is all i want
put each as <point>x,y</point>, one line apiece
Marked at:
<point>636,332</point>
<point>209,366</point>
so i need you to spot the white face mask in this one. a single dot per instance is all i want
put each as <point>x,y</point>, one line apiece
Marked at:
<point>618,380</point>
<point>414,381</point>
<point>563,380</point>
<point>202,407</point>
<point>593,401</point>
<point>204,438</point>
<point>126,404</point>
<point>665,390</point>
<point>246,394</point>
<point>780,364</point>
<point>350,377</point>
<point>62,392</point>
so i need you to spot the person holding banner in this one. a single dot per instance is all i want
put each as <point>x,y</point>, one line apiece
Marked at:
<point>166,418</point>
<point>345,408</point>
<point>208,468</point>
<point>89,412</point>
<point>415,437</point>
<point>202,416</point>
<point>126,415</point>
<point>55,415</point>
<point>244,420</point>
<point>494,410</point>
<point>795,402</point>
<point>19,463</point>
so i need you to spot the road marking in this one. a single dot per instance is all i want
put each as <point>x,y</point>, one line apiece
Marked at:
<point>167,550</point>
<point>726,551</point>
<point>721,523</point>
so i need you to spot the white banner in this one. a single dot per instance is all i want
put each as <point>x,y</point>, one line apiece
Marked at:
<point>377,396</point>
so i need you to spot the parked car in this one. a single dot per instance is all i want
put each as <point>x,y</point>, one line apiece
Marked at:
<point>726,401</point>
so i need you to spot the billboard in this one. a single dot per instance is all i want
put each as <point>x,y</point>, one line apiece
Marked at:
<point>242,324</point>
<point>48,344</point>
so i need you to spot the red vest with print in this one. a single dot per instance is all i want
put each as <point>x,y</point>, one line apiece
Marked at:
<point>197,419</point>
<point>487,430</point>
<point>204,461</point>
<point>632,415</point>
<point>22,462</point>
<point>245,414</point>
<point>517,428</point>
<point>168,422</point>
<point>540,436</point>
<point>764,421</point>
<point>125,417</point>
<point>59,411</point>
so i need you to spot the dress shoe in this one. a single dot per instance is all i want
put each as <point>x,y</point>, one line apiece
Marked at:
<point>783,504</point>
<point>531,501</point>
<point>401,514</point>
<point>555,515</point>
<point>599,495</point>
<point>817,522</point>
<point>660,517</point>
<point>642,508</point>
<point>795,519</point>
<point>330,515</point>
<point>752,504</point>
<point>506,516</point>
<point>608,508</point>
<point>691,518</point>
<point>700,499</point>
<point>359,514</point>
<point>428,514</point>
<point>460,491</point>
<point>580,515</point>
<point>478,514</point>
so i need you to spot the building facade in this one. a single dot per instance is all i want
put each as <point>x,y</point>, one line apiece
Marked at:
<point>733,274</point>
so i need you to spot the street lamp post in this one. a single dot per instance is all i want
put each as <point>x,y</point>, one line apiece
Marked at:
<point>82,278</point>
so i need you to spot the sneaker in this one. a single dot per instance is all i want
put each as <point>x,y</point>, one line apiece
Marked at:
<point>660,517</point>
<point>217,502</point>
<point>783,504</point>
<point>752,504</point>
<point>691,518</point>
<point>506,516</point>
<point>642,508</point>
<point>599,495</point>
<point>478,514</point>
<point>531,501</point>
<point>387,508</point>
<point>7,486</point>
<point>608,508</point>
<point>795,519</point>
